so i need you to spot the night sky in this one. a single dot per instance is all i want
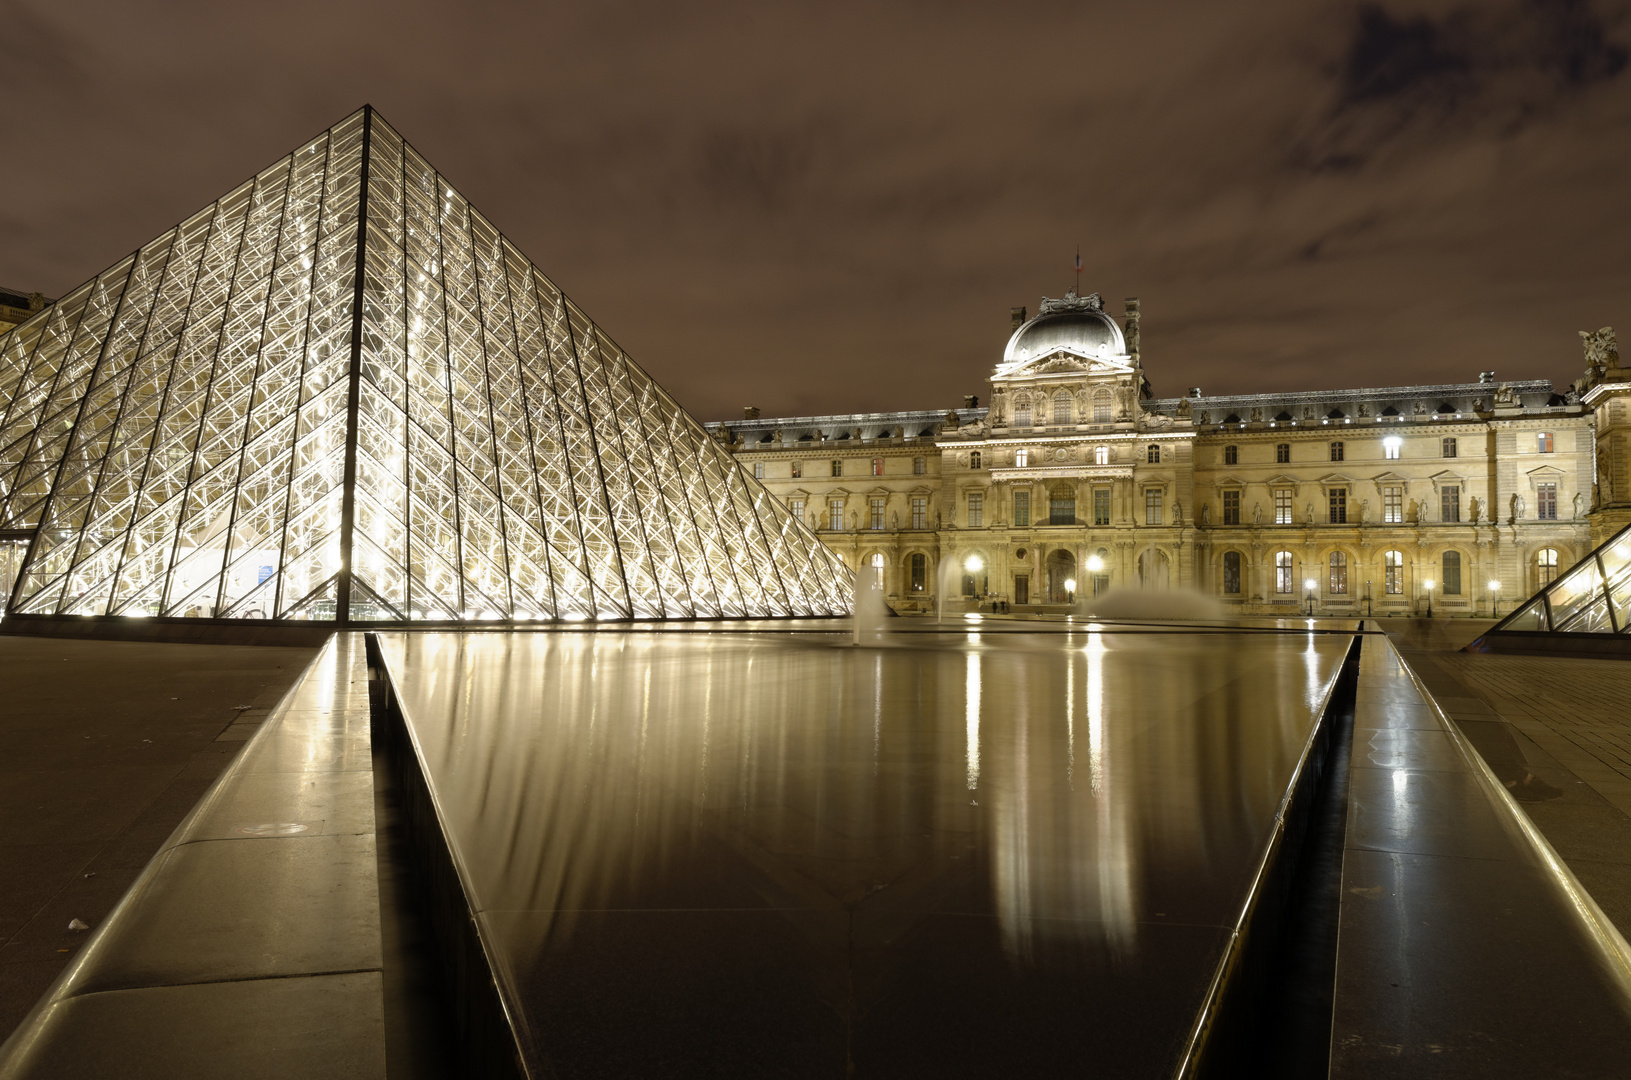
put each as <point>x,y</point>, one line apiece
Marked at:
<point>831,207</point>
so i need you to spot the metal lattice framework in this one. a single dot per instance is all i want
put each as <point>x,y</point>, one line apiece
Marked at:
<point>1592,597</point>
<point>271,412</point>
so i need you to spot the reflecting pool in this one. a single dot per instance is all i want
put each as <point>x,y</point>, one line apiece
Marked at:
<point>773,854</point>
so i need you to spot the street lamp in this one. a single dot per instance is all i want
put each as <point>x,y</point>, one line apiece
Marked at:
<point>1494,598</point>
<point>1094,566</point>
<point>1309,584</point>
<point>1429,585</point>
<point>972,564</point>
<point>1367,598</point>
<point>1070,590</point>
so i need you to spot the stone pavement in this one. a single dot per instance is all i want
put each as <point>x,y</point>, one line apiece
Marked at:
<point>1557,732</point>
<point>104,747</point>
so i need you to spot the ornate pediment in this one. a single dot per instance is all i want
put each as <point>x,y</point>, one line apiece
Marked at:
<point>1072,302</point>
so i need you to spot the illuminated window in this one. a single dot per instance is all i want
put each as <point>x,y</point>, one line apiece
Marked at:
<point>1284,579</point>
<point>974,460</point>
<point>1337,583</point>
<point>835,514</point>
<point>1153,455</point>
<point>1338,505</point>
<point>1449,499</point>
<point>1152,506</point>
<point>1231,455</point>
<point>1061,407</point>
<point>1282,506</point>
<point>976,509</point>
<point>1452,573</point>
<point>1022,414</point>
<point>1231,573</point>
<point>877,466</point>
<point>1022,509</point>
<point>1543,442</point>
<point>1390,447</point>
<point>1101,506</point>
<point>920,512</point>
<point>1393,573</point>
<point>1282,453</point>
<point>875,506</point>
<point>1393,504</point>
<point>798,469</point>
<point>1336,451</point>
<point>1061,505</point>
<point>919,466</point>
<point>758,470</point>
<point>1546,502</point>
<point>838,468</point>
<point>1101,455</point>
<point>920,571</point>
<point>876,562</point>
<point>1449,446</point>
<point>1545,566</point>
<point>1231,508</point>
<point>1021,458</point>
<point>1101,406</point>
<point>797,506</point>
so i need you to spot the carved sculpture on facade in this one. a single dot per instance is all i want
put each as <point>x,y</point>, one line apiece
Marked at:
<point>1206,514</point>
<point>1517,507</point>
<point>1579,506</point>
<point>1364,511</point>
<point>1206,416</point>
<point>1257,416</point>
<point>1257,513</point>
<point>1420,410</point>
<point>1505,396</point>
<point>1364,409</point>
<point>1183,409</point>
<point>1602,350</point>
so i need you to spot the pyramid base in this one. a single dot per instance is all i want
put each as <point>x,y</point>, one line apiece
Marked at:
<point>176,631</point>
<point>1543,643</point>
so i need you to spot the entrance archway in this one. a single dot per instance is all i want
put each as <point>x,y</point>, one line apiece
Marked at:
<point>1060,568</point>
<point>1153,569</point>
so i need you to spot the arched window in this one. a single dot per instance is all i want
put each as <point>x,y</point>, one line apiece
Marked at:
<point>1231,455</point>
<point>1101,455</point>
<point>1101,406</point>
<point>1452,573</point>
<point>1061,407</point>
<point>1153,455</point>
<point>1545,566</point>
<point>1284,579</point>
<point>1231,573</point>
<point>1022,413</point>
<point>1338,584</point>
<point>876,562</point>
<point>1393,573</point>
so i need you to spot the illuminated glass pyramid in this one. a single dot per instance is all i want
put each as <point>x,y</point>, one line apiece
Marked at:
<point>268,412</point>
<point>1593,597</point>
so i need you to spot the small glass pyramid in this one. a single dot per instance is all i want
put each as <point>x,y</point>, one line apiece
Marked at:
<point>1593,597</point>
<point>339,393</point>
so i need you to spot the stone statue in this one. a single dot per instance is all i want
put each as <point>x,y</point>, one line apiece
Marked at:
<point>1364,409</point>
<point>1257,513</point>
<point>1177,512</point>
<point>1578,500</point>
<point>1517,507</point>
<point>1206,514</point>
<point>854,521</point>
<point>1505,396</point>
<point>894,520</point>
<point>1596,495</point>
<point>1183,409</point>
<point>1602,350</point>
<point>1421,410</point>
<point>1257,416</point>
<point>1206,416</point>
<point>1308,513</point>
<point>1364,511</point>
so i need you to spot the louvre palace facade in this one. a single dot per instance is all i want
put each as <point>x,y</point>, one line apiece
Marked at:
<point>1466,496</point>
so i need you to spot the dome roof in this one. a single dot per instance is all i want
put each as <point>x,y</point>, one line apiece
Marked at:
<point>1082,329</point>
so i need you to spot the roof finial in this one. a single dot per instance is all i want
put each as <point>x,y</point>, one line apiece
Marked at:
<point>1077,291</point>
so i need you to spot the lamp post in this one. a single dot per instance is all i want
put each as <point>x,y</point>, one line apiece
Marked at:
<point>1429,584</point>
<point>1494,599</point>
<point>1070,591</point>
<point>1367,598</point>
<point>1094,566</point>
<point>1309,584</point>
<point>972,564</point>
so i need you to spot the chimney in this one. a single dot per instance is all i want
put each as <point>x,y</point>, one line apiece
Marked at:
<point>1486,377</point>
<point>1016,318</point>
<point>970,401</point>
<point>1194,391</point>
<point>750,412</point>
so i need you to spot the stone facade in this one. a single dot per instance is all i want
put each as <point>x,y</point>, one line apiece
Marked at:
<point>1076,475</point>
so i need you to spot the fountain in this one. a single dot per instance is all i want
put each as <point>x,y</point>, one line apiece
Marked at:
<point>871,609</point>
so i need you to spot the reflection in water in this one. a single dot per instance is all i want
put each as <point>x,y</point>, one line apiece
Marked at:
<point>594,776</point>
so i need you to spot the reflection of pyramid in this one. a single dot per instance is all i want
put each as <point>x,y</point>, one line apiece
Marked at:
<point>1592,597</point>
<point>268,412</point>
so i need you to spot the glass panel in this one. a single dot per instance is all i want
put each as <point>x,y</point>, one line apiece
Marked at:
<point>1531,617</point>
<point>1573,592</point>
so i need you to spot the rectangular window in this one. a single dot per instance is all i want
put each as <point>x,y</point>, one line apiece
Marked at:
<point>1546,502</point>
<point>1231,508</point>
<point>1152,506</point>
<point>1543,442</point>
<point>758,470</point>
<point>1231,573</point>
<point>1393,505</point>
<point>1021,458</point>
<point>1101,506</point>
<point>1449,447</point>
<point>1282,506</point>
<point>1022,415</point>
<point>976,509</point>
<point>1391,446</point>
<point>1022,509</point>
<point>1061,506</point>
<point>876,508</point>
<point>920,512</point>
<point>1153,455</point>
<point>798,469</point>
<point>1338,583</point>
<point>1452,573</point>
<point>919,466</point>
<point>1393,573</point>
<point>1339,506</point>
<point>1283,578</point>
<point>877,466</point>
<point>835,514</point>
<point>974,460</point>
<point>797,506</point>
<point>1231,455</point>
<point>838,468</point>
<point>1449,498</point>
<point>1336,451</point>
<point>920,571</point>
<point>1282,453</point>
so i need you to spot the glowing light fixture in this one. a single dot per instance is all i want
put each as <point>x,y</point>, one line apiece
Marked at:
<point>973,563</point>
<point>1094,563</point>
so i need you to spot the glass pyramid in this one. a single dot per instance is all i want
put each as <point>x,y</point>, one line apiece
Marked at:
<point>339,393</point>
<point>1592,597</point>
